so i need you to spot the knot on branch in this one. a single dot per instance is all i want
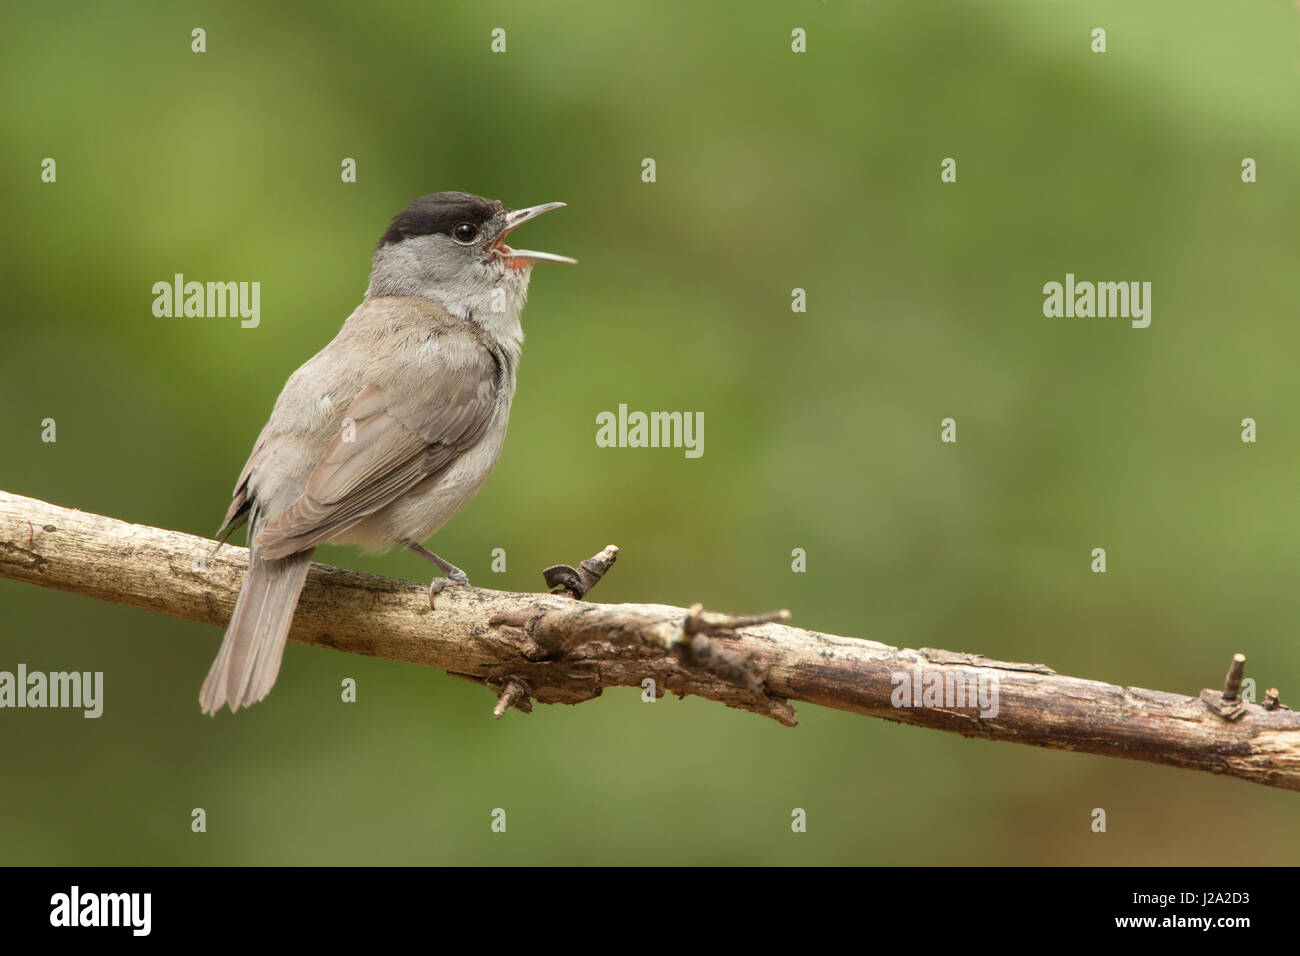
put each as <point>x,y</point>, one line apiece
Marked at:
<point>576,582</point>
<point>569,651</point>
<point>741,670</point>
<point>1228,703</point>
<point>513,693</point>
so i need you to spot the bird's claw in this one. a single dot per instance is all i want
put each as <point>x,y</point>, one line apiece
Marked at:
<point>438,584</point>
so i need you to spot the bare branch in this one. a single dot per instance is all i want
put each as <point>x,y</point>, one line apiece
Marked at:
<point>555,649</point>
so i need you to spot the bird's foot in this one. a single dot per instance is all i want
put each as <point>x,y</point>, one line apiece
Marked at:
<point>456,578</point>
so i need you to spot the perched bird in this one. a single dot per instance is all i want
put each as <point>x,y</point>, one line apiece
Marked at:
<point>390,429</point>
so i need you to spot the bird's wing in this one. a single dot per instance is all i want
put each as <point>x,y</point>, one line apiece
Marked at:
<point>241,504</point>
<point>386,445</point>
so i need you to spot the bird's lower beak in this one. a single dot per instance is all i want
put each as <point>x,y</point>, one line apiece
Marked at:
<point>523,257</point>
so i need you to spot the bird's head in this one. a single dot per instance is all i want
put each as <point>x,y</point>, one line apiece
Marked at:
<point>451,248</point>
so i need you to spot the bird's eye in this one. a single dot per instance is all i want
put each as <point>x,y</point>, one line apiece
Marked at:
<point>465,233</point>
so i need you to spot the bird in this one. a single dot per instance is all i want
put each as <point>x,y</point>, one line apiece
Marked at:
<point>390,429</point>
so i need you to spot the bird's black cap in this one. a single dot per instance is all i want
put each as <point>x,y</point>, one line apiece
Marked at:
<point>440,212</point>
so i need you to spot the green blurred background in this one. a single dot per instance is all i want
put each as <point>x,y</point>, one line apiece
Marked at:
<point>775,171</point>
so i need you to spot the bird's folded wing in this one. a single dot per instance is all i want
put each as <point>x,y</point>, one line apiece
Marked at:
<point>385,447</point>
<point>241,504</point>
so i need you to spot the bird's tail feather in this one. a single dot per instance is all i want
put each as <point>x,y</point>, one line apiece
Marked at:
<point>249,659</point>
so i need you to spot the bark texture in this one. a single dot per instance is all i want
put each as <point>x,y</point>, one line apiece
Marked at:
<point>554,648</point>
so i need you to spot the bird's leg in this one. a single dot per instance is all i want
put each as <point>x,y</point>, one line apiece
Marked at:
<point>454,574</point>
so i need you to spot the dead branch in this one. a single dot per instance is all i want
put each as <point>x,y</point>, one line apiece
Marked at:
<point>555,649</point>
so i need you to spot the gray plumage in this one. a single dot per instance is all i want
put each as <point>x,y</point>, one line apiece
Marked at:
<point>385,433</point>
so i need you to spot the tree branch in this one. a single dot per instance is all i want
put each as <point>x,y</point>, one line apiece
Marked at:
<point>555,649</point>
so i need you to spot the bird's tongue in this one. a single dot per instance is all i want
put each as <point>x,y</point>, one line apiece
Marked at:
<point>507,254</point>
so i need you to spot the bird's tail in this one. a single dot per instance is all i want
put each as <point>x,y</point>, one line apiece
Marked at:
<point>249,659</point>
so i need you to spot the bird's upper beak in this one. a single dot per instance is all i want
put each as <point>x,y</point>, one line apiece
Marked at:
<point>524,257</point>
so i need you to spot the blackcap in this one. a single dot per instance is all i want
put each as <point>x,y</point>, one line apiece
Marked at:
<point>390,429</point>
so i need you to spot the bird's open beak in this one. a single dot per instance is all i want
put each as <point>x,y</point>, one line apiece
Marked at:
<point>524,257</point>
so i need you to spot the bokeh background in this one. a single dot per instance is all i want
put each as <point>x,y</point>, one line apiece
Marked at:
<point>775,171</point>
